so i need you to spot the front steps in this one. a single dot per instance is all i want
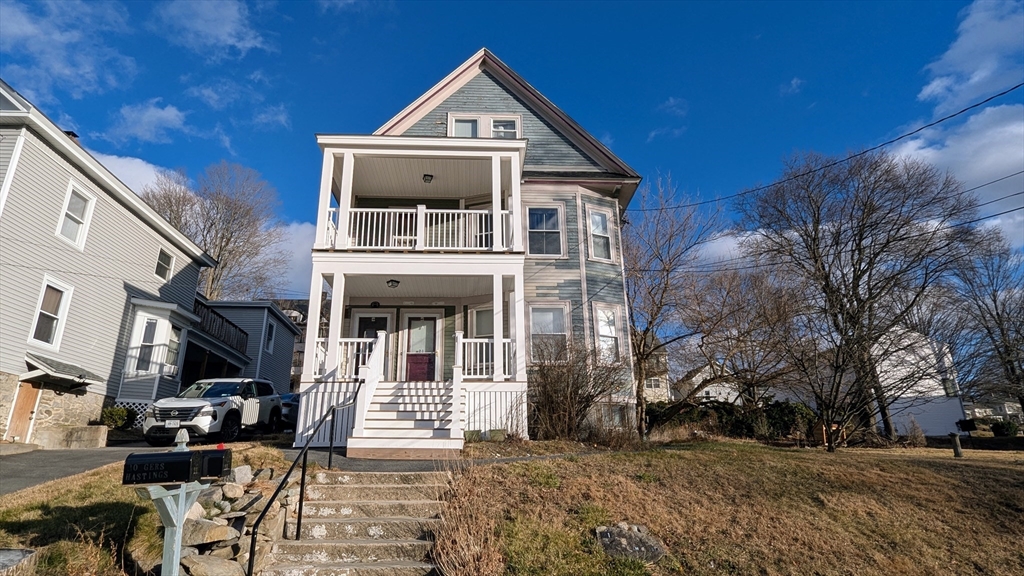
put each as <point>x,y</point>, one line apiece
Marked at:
<point>408,420</point>
<point>363,524</point>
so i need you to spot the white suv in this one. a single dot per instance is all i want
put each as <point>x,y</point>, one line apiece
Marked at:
<point>221,406</point>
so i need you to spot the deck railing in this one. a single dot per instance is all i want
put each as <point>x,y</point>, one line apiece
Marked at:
<point>216,325</point>
<point>353,353</point>
<point>422,229</point>
<point>478,358</point>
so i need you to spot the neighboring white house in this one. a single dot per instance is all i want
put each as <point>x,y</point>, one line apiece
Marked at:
<point>478,223</point>
<point>931,398</point>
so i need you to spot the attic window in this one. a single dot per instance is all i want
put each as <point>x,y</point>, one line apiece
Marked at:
<point>503,126</point>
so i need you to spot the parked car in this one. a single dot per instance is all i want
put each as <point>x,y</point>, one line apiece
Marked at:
<point>289,410</point>
<point>217,406</point>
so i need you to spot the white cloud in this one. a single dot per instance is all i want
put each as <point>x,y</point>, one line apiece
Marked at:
<point>54,45</point>
<point>335,5</point>
<point>986,57</point>
<point>298,245</point>
<point>667,131</point>
<point>136,173</point>
<point>675,106</point>
<point>147,122</point>
<point>988,146</point>
<point>218,94</point>
<point>216,29</point>
<point>268,117</point>
<point>607,140</point>
<point>793,87</point>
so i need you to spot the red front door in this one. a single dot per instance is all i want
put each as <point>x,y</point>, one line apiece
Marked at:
<point>421,351</point>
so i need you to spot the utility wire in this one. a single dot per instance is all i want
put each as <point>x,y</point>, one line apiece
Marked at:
<point>834,163</point>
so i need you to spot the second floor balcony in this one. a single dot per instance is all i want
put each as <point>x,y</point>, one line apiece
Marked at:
<point>420,194</point>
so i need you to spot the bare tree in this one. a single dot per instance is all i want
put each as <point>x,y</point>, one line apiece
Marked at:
<point>567,383</point>
<point>864,239</point>
<point>661,248</point>
<point>230,214</point>
<point>991,283</point>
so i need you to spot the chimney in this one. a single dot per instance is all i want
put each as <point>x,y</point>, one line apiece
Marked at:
<point>73,135</point>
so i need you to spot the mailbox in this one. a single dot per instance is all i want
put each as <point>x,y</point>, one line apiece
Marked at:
<point>215,463</point>
<point>163,468</point>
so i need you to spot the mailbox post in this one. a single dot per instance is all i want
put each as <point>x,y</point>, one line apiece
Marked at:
<point>174,487</point>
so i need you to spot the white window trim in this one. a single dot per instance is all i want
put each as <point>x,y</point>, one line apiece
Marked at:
<point>473,311</point>
<point>562,228</point>
<point>590,235</point>
<point>161,338</point>
<point>484,120</point>
<point>566,315</point>
<point>170,269</point>
<point>90,205</point>
<point>268,346</point>
<point>617,311</point>
<point>62,314</point>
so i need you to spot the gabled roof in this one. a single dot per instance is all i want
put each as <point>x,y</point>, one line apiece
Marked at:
<point>482,61</point>
<point>16,110</point>
<point>70,375</point>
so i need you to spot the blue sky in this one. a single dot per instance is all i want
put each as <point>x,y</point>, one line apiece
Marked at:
<point>717,94</point>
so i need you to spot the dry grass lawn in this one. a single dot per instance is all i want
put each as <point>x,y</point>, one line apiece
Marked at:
<point>743,508</point>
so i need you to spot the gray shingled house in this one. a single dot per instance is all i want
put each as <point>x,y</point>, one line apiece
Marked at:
<point>478,224</point>
<point>97,292</point>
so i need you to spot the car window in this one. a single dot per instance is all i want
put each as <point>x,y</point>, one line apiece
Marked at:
<point>210,390</point>
<point>265,389</point>
<point>249,389</point>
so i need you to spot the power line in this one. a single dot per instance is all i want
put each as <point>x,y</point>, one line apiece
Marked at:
<point>837,162</point>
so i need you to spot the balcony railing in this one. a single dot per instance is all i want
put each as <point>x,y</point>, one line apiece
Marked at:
<point>422,229</point>
<point>211,322</point>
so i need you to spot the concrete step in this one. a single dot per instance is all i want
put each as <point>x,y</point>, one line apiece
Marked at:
<point>352,569</point>
<point>363,492</point>
<point>370,509</point>
<point>395,528</point>
<point>345,551</point>
<point>330,477</point>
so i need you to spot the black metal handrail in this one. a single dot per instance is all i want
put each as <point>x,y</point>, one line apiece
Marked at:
<point>304,453</point>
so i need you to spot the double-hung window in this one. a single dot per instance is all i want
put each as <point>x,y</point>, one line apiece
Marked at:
<point>483,323</point>
<point>464,128</point>
<point>144,363</point>
<point>549,337</point>
<point>51,313</point>
<point>164,265</point>
<point>544,234</point>
<point>173,350</point>
<point>607,335</point>
<point>74,223</point>
<point>504,129</point>
<point>600,237</point>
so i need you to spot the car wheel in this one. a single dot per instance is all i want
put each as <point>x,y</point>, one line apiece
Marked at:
<point>274,423</point>
<point>231,429</point>
<point>160,441</point>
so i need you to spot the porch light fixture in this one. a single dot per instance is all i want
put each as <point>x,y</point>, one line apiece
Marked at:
<point>392,283</point>
<point>428,178</point>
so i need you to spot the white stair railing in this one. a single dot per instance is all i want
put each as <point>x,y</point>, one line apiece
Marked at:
<point>370,373</point>
<point>353,353</point>
<point>455,428</point>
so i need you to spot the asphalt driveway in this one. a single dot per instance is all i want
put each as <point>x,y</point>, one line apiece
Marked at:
<point>20,471</point>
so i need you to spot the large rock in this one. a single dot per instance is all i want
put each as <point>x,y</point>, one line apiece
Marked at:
<point>232,490</point>
<point>195,512</point>
<point>209,497</point>
<point>630,541</point>
<point>205,531</point>
<point>211,566</point>
<point>240,475</point>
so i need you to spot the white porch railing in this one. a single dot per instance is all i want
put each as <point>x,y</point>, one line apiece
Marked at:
<point>353,353</point>
<point>320,357</point>
<point>477,355</point>
<point>422,229</point>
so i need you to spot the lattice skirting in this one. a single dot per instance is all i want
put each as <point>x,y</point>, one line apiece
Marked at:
<point>140,407</point>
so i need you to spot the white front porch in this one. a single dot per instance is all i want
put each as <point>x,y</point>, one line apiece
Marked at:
<point>425,355</point>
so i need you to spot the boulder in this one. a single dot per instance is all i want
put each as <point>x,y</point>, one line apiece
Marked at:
<point>211,566</point>
<point>232,490</point>
<point>195,512</point>
<point>264,474</point>
<point>248,502</point>
<point>223,506</point>
<point>239,475</point>
<point>210,496</point>
<point>205,531</point>
<point>630,541</point>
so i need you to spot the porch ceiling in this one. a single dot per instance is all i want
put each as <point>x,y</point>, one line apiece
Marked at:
<point>402,177</point>
<point>411,286</point>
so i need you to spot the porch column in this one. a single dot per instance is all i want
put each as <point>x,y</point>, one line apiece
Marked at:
<point>520,324</point>
<point>312,326</point>
<point>326,177</point>
<point>498,243</point>
<point>334,328</point>
<point>516,206</point>
<point>499,330</point>
<point>345,199</point>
